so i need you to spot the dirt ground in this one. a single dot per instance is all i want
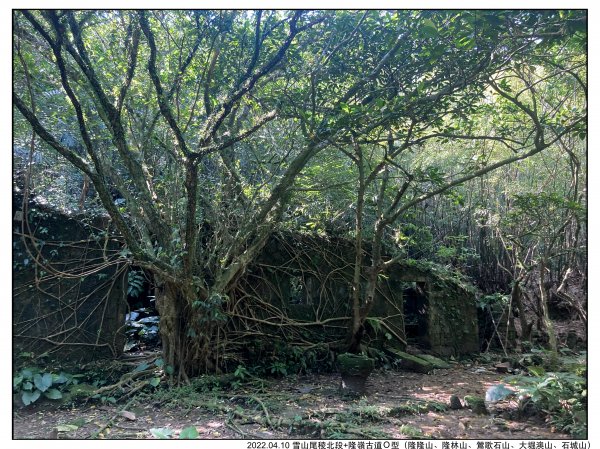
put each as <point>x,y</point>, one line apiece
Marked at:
<point>311,397</point>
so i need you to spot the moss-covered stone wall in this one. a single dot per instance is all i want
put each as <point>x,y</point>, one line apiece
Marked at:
<point>308,278</point>
<point>452,324</point>
<point>451,320</point>
<point>72,304</point>
<point>69,286</point>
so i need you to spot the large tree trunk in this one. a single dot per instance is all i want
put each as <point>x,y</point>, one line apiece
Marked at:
<point>188,328</point>
<point>191,315</point>
<point>518,302</point>
<point>357,326</point>
<point>360,315</point>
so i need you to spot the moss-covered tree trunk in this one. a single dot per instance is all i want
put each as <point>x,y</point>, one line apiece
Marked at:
<point>356,328</point>
<point>516,298</point>
<point>189,326</point>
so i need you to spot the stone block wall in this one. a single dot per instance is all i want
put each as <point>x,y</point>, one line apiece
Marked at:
<point>69,286</point>
<point>452,324</point>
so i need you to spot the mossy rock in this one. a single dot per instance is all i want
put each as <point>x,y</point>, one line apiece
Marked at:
<point>437,363</point>
<point>413,362</point>
<point>354,369</point>
<point>355,364</point>
<point>476,404</point>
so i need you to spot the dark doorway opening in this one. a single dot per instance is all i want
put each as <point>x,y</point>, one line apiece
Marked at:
<point>141,320</point>
<point>415,313</point>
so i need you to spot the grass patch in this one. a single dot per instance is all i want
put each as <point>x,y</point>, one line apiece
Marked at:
<point>416,408</point>
<point>411,431</point>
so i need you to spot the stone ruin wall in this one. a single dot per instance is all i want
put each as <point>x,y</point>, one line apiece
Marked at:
<point>71,304</point>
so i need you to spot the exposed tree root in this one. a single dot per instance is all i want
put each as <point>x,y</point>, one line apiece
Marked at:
<point>245,435</point>
<point>259,402</point>
<point>307,423</point>
<point>127,379</point>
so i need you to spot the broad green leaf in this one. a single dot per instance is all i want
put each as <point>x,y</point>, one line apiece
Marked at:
<point>163,433</point>
<point>38,382</point>
<point>67,428</point>
<point>59,378</point>
<point>29,397</point>
<point>53,393</point>
<point>17,381</point>
<point>47,380</point>
<point>189,433</point>
<point>429,29</point>
<point>155,381</point>
<point>141,367</point>
<point>44,382</point>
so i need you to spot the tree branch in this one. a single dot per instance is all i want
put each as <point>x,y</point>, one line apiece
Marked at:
<point>217,118</point>
<point>160,96</point>
<point>242,135</point>
<point>135,40</point>
<point>114,123</point>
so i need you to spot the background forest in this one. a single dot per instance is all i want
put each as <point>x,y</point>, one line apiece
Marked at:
<point>456,138</point>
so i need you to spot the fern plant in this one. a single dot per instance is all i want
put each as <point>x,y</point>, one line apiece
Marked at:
<point>562,396</point>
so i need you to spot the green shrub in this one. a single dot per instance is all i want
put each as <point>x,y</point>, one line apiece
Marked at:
<point>32,384</point>
<point>562,397</point>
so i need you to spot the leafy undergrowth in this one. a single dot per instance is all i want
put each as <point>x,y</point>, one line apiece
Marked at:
<point>559,395</point>
<point>397,405</point>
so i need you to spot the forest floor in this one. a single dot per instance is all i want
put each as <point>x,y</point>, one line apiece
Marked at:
<point>398,405</point>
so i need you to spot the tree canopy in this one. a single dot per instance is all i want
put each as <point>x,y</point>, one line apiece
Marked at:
<point>216,128</point>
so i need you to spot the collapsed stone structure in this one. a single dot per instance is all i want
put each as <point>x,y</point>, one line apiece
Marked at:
<point>299,287</point>
<point>307,278</point>
<point>71,305</point>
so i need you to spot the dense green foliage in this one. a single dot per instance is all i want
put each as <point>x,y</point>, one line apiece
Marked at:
<point>560,396</point>
<point>31,385</point>
<point>427,134</point>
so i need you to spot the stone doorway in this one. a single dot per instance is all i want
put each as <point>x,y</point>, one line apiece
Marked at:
<point>416,309</point>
